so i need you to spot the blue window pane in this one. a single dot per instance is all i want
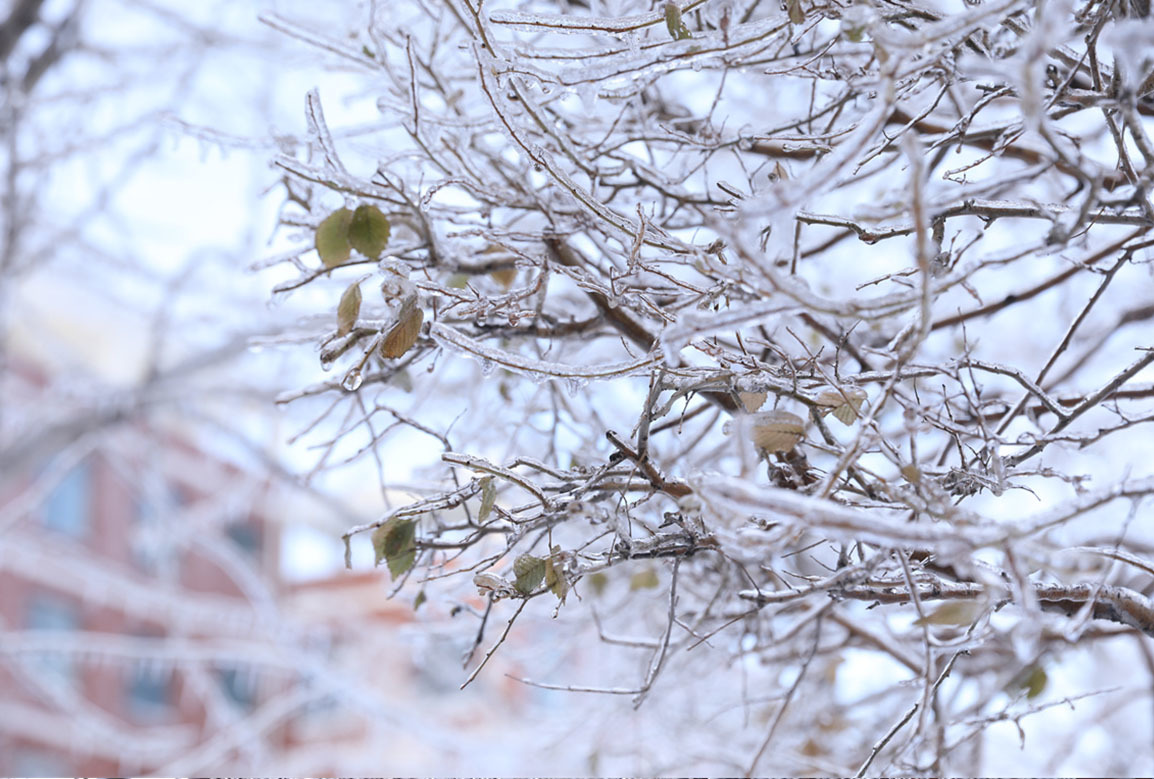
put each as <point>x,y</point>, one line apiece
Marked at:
<point>149,692</point>
<point>66,509</point>
<point>152,538</point>
<point>50,613</point>
<point>245,535</point>
<point>239,685</point>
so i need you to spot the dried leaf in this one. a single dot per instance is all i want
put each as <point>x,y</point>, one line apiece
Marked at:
<point>457,281</point>
<point>368,231</point>
<point>598,582</point>
<point>529,572</point>
<point>492,585</point>
<point>674,23</point>
<point>555,575</point>
<point>332,238</point>
<point>644,580</point>
<point>796,14</point>
<point>845,403</point>
<point>777,431</point>
<point>752,401</point>
<point>488,495</point>
<point>505,276</point>
<point>912,473</point>
<point>404,333</point>
<point>349,309</point>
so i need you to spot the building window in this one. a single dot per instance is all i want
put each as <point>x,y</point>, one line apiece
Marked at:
<point>66,509</point>
<point>152,539</point>
<point>245,535</point>
<point>239,685</point>
<point>149,692</point>
<point>51,613</point>
<point>30,761</point>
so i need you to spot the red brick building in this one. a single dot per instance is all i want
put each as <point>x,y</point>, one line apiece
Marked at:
<point>130,593</point>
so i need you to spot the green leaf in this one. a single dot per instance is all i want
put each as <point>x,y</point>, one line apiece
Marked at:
<point>1035,682</point>
<point>419,600</point>
<point>529,572</point>
<point>348,309</point>
<point>598,582</point>
<point>1032,679</point>
<point>555,576</point>
<point>457,281</point>
<point>395,543</point>
<point>673,22</point>
<point>368,231</point>
<point>332,237</point>
<point>644,580</point>
<point>488,495</point>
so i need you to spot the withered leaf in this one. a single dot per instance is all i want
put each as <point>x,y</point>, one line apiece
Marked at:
<point>505,276</point>
<point>404,333</point>
<point>349,309</point>
<point>752,401</point>
<point>777,431</point>
<point>845,402</point>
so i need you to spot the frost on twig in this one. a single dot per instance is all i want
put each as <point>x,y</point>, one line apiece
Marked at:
<point>781,310</point>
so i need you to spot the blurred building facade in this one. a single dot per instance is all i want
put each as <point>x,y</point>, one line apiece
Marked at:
<point>126,597</point>
<point>148,627</point>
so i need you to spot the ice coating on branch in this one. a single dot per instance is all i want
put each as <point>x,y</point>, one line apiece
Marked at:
<point>539,370</point>
<point>1133,43</point>
<point>728,496</point>
<point>700,324</point>
<point>574,23</point>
